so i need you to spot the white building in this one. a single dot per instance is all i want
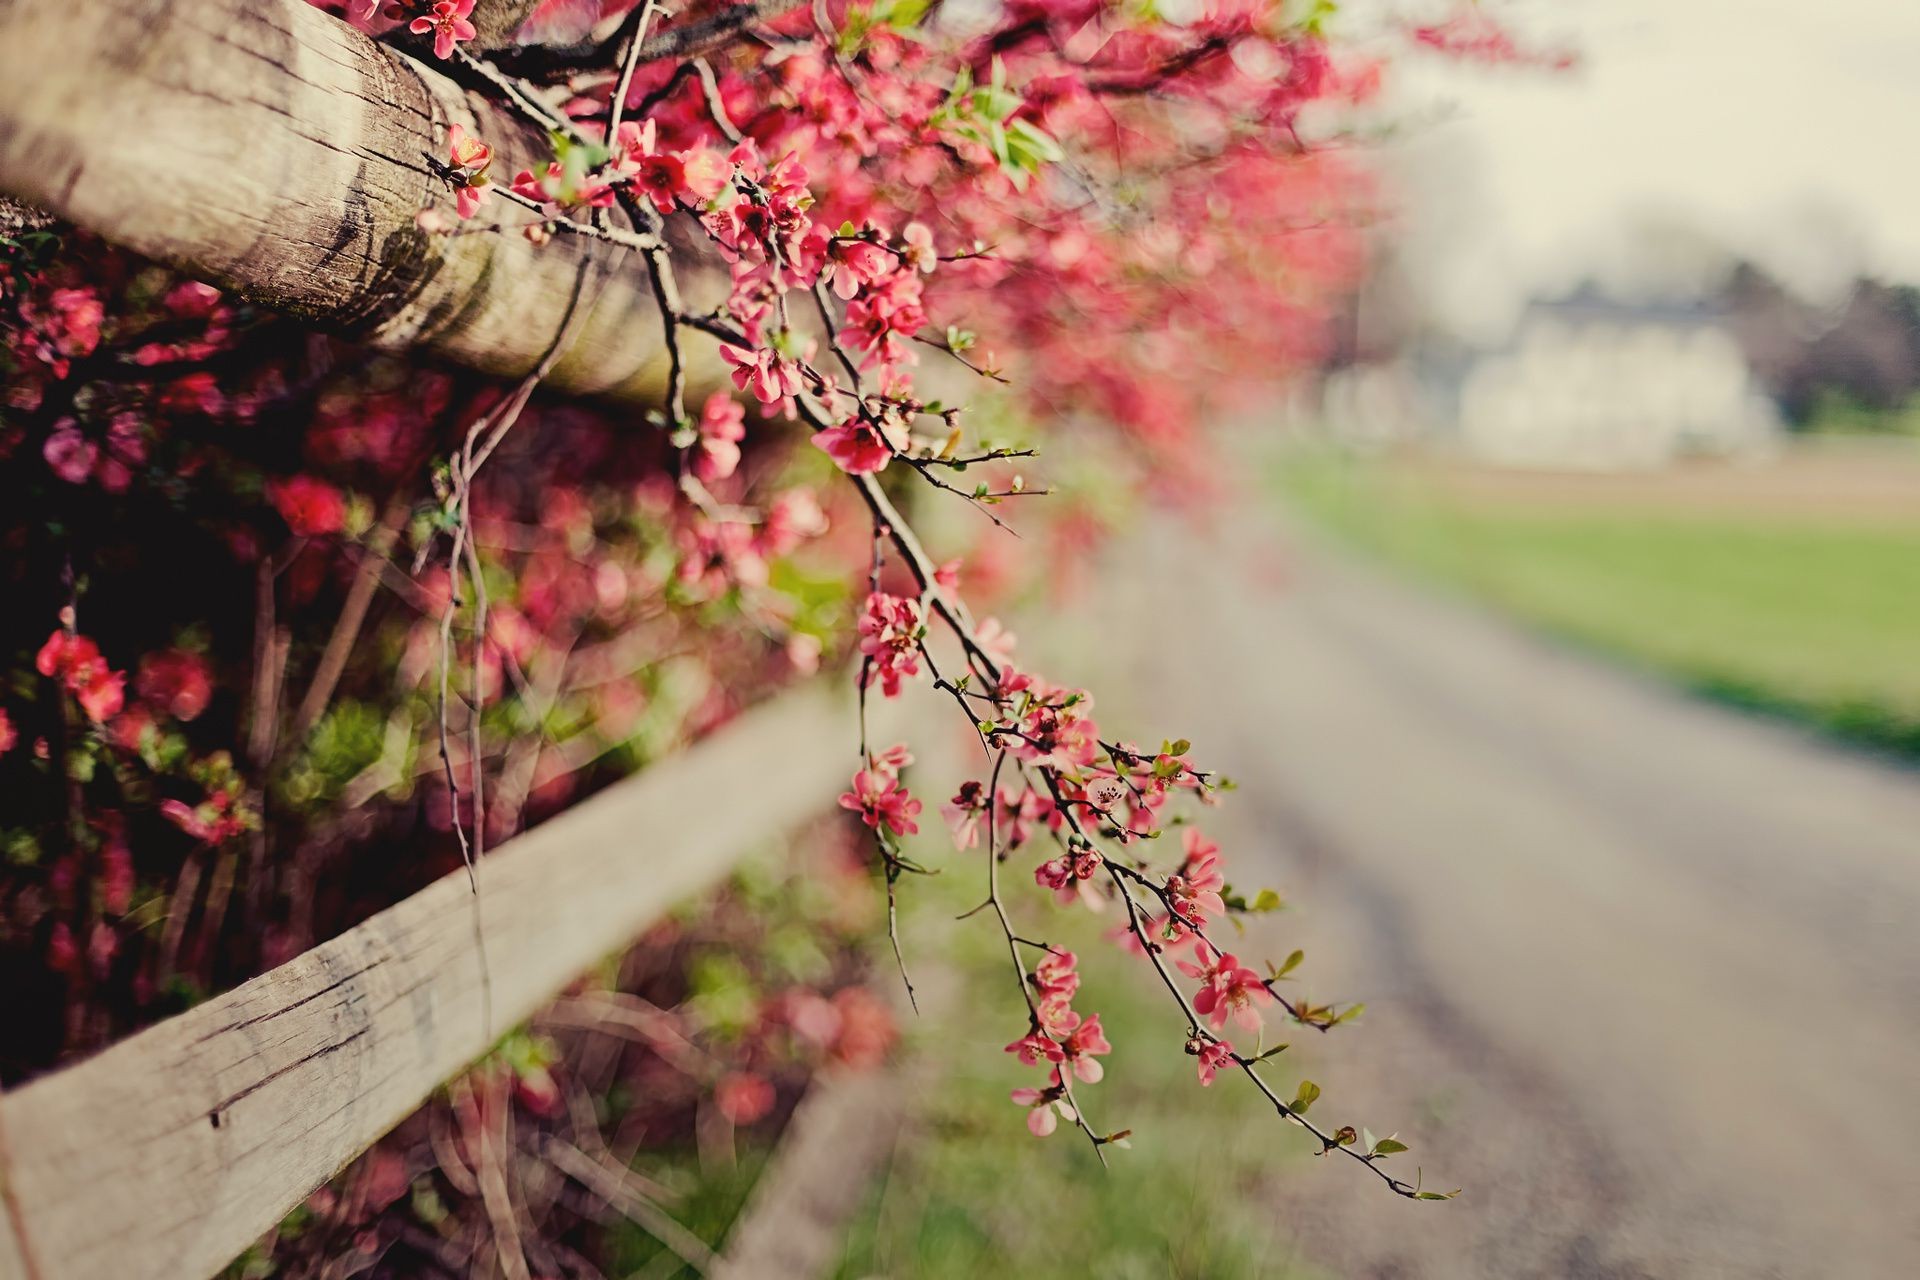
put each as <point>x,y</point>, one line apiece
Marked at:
<point>1592,384</point>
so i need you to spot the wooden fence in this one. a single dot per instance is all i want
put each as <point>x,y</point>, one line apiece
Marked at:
<point>167,1154</point>
<point>275,151</point>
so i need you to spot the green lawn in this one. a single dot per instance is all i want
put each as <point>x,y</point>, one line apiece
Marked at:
<point>970,1193</point>
<point>1810,610</point>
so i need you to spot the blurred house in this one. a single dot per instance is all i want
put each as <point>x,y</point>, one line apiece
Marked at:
<point>1593,383</point>
<point>1585,382</point>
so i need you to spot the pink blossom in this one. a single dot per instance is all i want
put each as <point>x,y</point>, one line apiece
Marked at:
<point>964,812</point>
<point>917,247</point>
<point>1045,1109</point>
<point>857,446</point>
<point>1057,974</point>
<point>891,761</point>
<point>771,375</point>
<point>743,1097</point>
<point>76,662</point>
<point>660,176</point>
<point>1066,874</point>
<point>1080,1047</point>
<point>880,800</point>
<point>1213,1057</point>
<point>1228,989</point>
<point>790,519</point>
<point>723,424</point>
<point>70,454</point>
<point>469,158</point>
<point>8,734</point>
<point>1195,889</point>
<point>175,681</point>
<point>1035,1048</point>
<point>853,264</point>
<point>448,23</point>
<point>890,632</point>
<point>312,508</point>
<point>214,821</point>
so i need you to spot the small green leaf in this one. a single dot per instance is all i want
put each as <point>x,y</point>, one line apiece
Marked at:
<point>1291,963</point>
<point>1309,1093</point>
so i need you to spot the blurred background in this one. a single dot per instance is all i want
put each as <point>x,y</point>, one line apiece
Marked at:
<point>1577,709</point>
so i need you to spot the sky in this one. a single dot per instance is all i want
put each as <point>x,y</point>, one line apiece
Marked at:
<point>1784,131</point>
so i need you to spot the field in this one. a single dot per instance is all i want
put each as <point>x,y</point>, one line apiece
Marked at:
<point>1790,586</point>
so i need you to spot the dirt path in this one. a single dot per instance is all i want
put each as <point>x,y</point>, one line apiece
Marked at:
<point>1642,975</point>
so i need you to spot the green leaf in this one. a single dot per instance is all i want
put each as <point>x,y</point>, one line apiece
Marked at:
<point>1267,900</point>
<point>1291,963</point>
<point>1309,1093</point>
<point>1387,1147</point>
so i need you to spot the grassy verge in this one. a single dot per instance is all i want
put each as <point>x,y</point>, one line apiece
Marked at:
<point>1808,609</point>
<point>970,1193</point>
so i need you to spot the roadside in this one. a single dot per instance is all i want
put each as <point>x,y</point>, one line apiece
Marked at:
<point>1639,972</point>
<point>1790,587</point>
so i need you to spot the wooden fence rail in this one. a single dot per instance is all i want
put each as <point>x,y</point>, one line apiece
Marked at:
<point>166,1155</point>
<point>273,150</point>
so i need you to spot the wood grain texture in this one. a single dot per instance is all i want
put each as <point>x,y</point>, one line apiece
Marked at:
<point>272,149</point>
<point>167,1154</point>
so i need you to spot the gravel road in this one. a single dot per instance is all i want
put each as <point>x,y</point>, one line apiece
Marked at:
<point>1642,975</point>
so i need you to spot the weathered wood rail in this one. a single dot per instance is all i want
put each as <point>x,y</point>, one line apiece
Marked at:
<point>273,150</point>
<point>166,1155</point>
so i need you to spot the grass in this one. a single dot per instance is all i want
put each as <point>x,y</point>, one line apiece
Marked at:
<point>970,1193</point>
<point>1802,608</point>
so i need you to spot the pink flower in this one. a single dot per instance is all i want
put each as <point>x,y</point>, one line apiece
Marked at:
<point>856,446</point>
<point>1057,974</point>
<point>76,662</point>
<point>660,176</point>
<point>554,190</point>
<point>1213,1057</point>
<point>1228,989</point>
<point>771,375</point>
<point>853,264</point>
<point>964,812</point>
<point>1035,1048</point>
<point>891,761</point>
<point>469,158</point>
<point>8,734</point>
<point>880,800</point>
<point>743,1097</point>
<point>213,821</point>
<point>890,631</point>
<point>1195,889</point>
<point>448,22</point>
<point>1066,874</point>
<point>70,454</point>
<point>312,508</point>
<point>1081,1045</point>
<point>1045,1109</point>
<point>1056,1015</point>
<point>175,681</point>
<point>917,242</point>
<point>723,424</point>
<point>791,518</point>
